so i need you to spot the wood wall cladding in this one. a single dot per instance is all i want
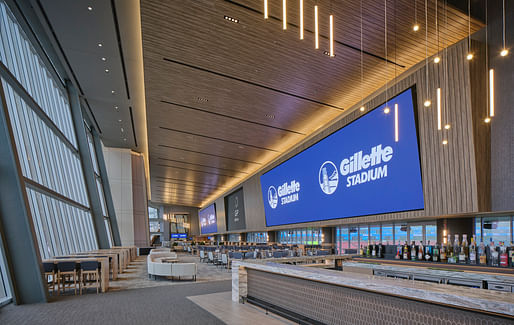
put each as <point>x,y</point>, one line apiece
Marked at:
<point>224,98</point>
<point>449,171</point>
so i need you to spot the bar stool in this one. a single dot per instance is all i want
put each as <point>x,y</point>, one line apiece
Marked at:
<point>50,269</point>
<point>89,274</point>
<point>66,272</point>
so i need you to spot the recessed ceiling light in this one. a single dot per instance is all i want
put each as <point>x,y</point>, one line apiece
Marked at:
<point>113,92</point>
<point>234,20</point>
<point>437,59</point>
<point>445,142</point>
<point>100,45</point>
<point>103,59</point>
<point>119,121</point>
<point>387,110</point>
<point>106,70</point>
<point>327,53</point>
<point>124,139</point>
<point>116,107</point>
<point>362,108</point>
<point>241,147</point>
<point>90,8</point>
<point>122,130</point>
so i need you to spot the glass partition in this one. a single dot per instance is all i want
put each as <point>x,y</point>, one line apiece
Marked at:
<point>387,235</point>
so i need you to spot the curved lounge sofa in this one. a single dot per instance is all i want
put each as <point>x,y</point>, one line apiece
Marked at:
<point>156,266</point>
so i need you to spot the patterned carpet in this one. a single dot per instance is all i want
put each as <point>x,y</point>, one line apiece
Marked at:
<point>132,299</point>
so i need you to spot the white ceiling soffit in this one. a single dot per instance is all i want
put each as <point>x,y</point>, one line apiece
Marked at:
<point>110,75</point>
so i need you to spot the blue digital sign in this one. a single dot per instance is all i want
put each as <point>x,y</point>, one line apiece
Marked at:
<point>179,236</point>
<point>370,166</point>
<point>208,220</point>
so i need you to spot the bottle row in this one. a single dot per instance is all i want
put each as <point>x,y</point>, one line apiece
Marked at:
<point>458,252</point>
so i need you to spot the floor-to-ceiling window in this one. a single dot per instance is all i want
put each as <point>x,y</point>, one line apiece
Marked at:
<point>39,112</point>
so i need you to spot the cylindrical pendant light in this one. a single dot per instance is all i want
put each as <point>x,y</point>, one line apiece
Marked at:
<point>504,51</point>
<point>396,131</point>
<point>491,92</point>
<point>439,109</point>
<point>331,35</point>
<point>316,28</point>
<point>301,19</point>
<point>284,14</point>
<point>265,9</point>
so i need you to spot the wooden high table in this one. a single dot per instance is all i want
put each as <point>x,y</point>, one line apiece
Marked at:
<point>104,269</point>
<point>114,265</point>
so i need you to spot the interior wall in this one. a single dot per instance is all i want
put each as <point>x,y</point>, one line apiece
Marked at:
<point>449,171</point>
<point>119,170</point>
<point>193,217</point>
<point>502,125</point>
<point>140,202</point>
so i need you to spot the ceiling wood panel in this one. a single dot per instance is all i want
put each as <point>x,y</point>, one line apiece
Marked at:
<point>223,98</point>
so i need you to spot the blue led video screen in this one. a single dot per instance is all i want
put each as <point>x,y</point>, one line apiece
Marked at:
<point>370,166</point>
<point>208,220</point>
<point>178,236</point>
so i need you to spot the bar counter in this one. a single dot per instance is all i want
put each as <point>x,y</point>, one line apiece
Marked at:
<point>478,302</point>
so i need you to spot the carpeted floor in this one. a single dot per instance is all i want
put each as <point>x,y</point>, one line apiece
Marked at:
<point>155,305</point>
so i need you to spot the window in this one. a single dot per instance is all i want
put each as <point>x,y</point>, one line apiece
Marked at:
<point>302,236</point>
<point>363,235</point>
<point>46,146</point>
<point>387,235</point>
<point>416,234</point>
<point>354,238</point>
<point>257,237</point>
<point>431,233</point>
<point>496,229</point>
<point>374,234</point>
<point>400,233</point>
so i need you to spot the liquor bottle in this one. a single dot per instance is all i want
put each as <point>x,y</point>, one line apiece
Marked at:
<point>373,250</point>
<point>462,250</point>
<point>510,251</point>
<point>435,253</point>
<point>493,253</point>
<point>449,250</point>
<point>406,251</point>
<point>428,252</point>
<point>472,251</point>
<point>380,253</point>
<point>413,251</point>
<point>482,256</point>
<point>443,254</point>
<point>368,251</point>
<point>504,259</point>
<point>361,252</point>
<point>399,251</point>
<point>455,250</point>
<point>421,250</point>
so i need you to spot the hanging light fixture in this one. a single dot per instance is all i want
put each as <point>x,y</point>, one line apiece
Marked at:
<point>362,108</point>
<point>446,106</point>
<point>438,91</point>
<point>504,51</point>
<point>491,92</point>
<point>331,18</point>
<point>301,19</point>
<point>284,14</point>
<point>386,110</point>
<point>437,59</point>
<point>396,130</point>
<point>427,102</point>
<point>265,9</point>
<point>416,25</point>
<point>316,28</point>
<point>470,54</point>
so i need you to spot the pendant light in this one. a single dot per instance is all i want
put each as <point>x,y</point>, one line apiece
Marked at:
<point>470,54</point>
<point>331,18</point>
<point>490,80</point>
<point>266,9</point>
<point>284,14</point>
<point>415,27</point>
<point>504,51</point>
<point>362,108</point>
<point>437,59</point>
<point>316,28</point>
<point>427,102</point>
<point>446,88</point>
<point>301,19</point>
<point>386,109</point>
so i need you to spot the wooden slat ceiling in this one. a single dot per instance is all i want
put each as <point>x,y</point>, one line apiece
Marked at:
<point>224,98</point>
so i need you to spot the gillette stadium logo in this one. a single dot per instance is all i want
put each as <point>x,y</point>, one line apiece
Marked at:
<point>287,193</point>
<point>358,169</point>
<point>328,177</point>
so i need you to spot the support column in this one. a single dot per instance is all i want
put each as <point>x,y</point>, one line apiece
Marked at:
<point>19,240</point>
<point>107,188</point>
<point>87,167</point>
